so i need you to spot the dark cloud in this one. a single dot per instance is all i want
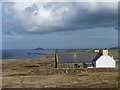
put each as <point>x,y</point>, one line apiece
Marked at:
<point>41,18</point>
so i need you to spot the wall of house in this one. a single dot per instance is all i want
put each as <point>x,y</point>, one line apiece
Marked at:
<point>74,65</point>
<point>105,62</point>
<point>70,65</point>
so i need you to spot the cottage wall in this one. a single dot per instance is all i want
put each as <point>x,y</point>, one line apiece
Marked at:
<point>105,62</point>
<point>74,65</point>
<point>70,65</point>
<point>84,59</point>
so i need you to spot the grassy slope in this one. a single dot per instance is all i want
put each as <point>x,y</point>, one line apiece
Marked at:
<point>16,74</point>
<point>75,80</point>
<point>88,50</point>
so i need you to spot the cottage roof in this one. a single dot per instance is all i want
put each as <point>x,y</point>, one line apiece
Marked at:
<point>77,57</point>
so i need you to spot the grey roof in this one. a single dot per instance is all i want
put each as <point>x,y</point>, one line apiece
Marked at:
<point>77,57</point>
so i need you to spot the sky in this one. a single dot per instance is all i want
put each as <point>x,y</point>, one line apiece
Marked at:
<point>62,25</point>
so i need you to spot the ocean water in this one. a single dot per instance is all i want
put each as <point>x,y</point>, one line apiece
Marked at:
<point>20,54</point>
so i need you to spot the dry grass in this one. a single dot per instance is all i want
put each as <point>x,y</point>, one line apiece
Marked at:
<point>114,53</point>
<point>16,74</point>
<point>76,80</point>
<point>17,66</point>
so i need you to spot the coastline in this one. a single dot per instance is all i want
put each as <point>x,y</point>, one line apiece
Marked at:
<point>42,53</point>
<point>37,54</point>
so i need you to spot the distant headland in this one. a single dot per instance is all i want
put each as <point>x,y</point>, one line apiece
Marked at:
<point>115,47</point>
<point>39,48</point>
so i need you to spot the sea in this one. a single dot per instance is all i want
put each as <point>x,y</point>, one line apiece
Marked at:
<point>23,53</point>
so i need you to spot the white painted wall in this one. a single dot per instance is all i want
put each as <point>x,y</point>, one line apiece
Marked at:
<point>105,52</point>
<point>105,62</point>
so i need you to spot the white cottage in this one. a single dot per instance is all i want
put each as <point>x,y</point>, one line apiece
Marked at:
<point>94,59</point>
<point>105,61</point>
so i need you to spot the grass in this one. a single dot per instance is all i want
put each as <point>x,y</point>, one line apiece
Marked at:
<point>118,77</point>
<point>90,50</point>
<point>87,50</point>
<point>114,53</point>
<point>16,74</point>
<point>20,74</point>
<point>69,80</point>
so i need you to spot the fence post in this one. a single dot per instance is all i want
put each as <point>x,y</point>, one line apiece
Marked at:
<point>56,57</point>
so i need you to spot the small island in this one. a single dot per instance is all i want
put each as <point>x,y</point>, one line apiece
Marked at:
<point>38,49</point>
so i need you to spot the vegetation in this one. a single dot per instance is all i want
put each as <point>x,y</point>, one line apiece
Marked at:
<point>34,73</point>
<point>21,74</point>
<point>114,53</point>
<point>86,50</point>
<point>41,73</point>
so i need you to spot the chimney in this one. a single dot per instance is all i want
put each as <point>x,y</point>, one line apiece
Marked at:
<point>105,52</point>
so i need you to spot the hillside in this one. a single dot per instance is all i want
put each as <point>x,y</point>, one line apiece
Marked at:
<point>115,47</point>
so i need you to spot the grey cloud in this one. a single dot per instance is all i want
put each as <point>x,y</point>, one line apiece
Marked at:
<point>41,18</point>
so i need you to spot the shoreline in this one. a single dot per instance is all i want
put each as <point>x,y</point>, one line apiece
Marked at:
<point>112,52</point>
<point>5,56</point>
<point>14,59</point>
<point>42,53</point>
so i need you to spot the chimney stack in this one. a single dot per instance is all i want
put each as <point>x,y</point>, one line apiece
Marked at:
<point>105,52</point>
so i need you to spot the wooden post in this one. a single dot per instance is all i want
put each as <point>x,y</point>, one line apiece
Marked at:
<point>56,57</point>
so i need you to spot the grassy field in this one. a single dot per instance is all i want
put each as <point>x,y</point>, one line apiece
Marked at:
<point>75,80</point>
<point>114,53</point>
<point>23,73</point>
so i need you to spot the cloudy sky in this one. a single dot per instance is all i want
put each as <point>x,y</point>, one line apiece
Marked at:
<point>27,25</point>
